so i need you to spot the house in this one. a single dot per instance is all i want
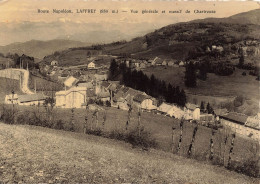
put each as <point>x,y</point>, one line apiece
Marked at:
<point>153,62</point>
<point>54,63</point>
<point>100,77</point>
<point>159,62</point>
<point>31,99</point>
<point>88,85</point>
<point>71,81</point>
<point>144,102</point>
<point>164,108</point>
<point>72,98</point>
<point>91,65</point>
<point>236,121</point>
<point>170,63</point>
<point>192,111</point>
<point>181,63</point>
<point>171,110</point>
<point>11,99</point>
<point>142,65</point>
<point>164,63</point>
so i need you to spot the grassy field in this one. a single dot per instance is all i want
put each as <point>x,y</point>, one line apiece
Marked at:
<point>225,86</point>
<point>32,154</point>
<point>43,84</point>
<point>160,128</point>
<point>6,87</point>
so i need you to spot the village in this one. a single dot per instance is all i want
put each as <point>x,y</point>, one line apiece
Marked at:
<point>87,87</point>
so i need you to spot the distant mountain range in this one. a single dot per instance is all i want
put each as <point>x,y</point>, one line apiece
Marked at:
<point>39,49</point>
<point>172,41</point>
<point>176,41</point>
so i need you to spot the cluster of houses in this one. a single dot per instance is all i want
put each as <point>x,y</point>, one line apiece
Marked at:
<point>141,64</point>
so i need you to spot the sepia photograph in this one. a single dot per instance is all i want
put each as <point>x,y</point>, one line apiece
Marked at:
<point>129,91</point>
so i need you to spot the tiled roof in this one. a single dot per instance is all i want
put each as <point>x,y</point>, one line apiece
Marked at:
<point>105,84</point>
<point>235,117</point>
<point>164,107</point>
<point>191,106</point>
<point>31,97</point>
<point>220,112</point>
<point>70,81</point>
<point>104,95</point>
<point>140,98</point>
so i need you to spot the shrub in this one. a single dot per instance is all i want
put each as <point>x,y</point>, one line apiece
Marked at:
<point>97,132</point>
<point>250,168</point>
<point>144,140</point>
<point>244,73</point>
<point>239,101</point>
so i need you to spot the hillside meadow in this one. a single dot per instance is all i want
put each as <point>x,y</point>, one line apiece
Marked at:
<point>31,154</point>
<point>160,128</point>
<point>227,87</point>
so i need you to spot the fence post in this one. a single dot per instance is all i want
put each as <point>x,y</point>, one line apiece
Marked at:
<point>104,120</point>
<point>180,139</point>
<point>85,125</point>
<point>211,155</point>
<point>173,139</point>
<point>139,122</point>
<point>193,138</point>
<point>231,149</point>
<point>129,117</point>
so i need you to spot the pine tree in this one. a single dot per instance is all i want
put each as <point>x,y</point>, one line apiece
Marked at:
<point>241,60</point>
<point>190,75</point>
<point>113,69</point>
<point>202,106</point>
<point>182,98</point>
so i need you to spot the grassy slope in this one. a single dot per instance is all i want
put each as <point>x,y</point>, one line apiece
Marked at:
<point>160,128</point>
<point>6,87</point>
<point>34,154</point>
<point>233,85</point>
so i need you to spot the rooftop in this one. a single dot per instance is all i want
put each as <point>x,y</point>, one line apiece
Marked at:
<point>31,97</point>
<point>236,117</point>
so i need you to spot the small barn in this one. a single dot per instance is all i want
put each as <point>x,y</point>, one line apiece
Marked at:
<point>91,65</point>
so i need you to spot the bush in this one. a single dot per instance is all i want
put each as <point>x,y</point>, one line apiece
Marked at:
<point>250,168</point>
<point>144,140</point>
<point>239,101</point>
<point>97,132</point>
<point>244,73</point>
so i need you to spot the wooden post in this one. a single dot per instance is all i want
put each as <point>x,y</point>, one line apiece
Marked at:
<point>85,125</point>
<point>211,144</point>
<point>231,149</point>
<point>129,117</point>
<point>173,139</point>
<point>180,139</point>
<point>104,120</point>
<point>139,122</point>
<point>193,139</point>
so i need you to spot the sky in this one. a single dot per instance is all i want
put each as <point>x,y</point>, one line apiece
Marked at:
<point>17,16</point>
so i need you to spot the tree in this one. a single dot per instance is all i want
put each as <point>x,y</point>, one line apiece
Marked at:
<point>202,106</point>
<point>190,75</point>
<point>241,60</point>
<point>209,109</point>
<point>113,69</point>
<point>182,98</point>
<point>203,72</point>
